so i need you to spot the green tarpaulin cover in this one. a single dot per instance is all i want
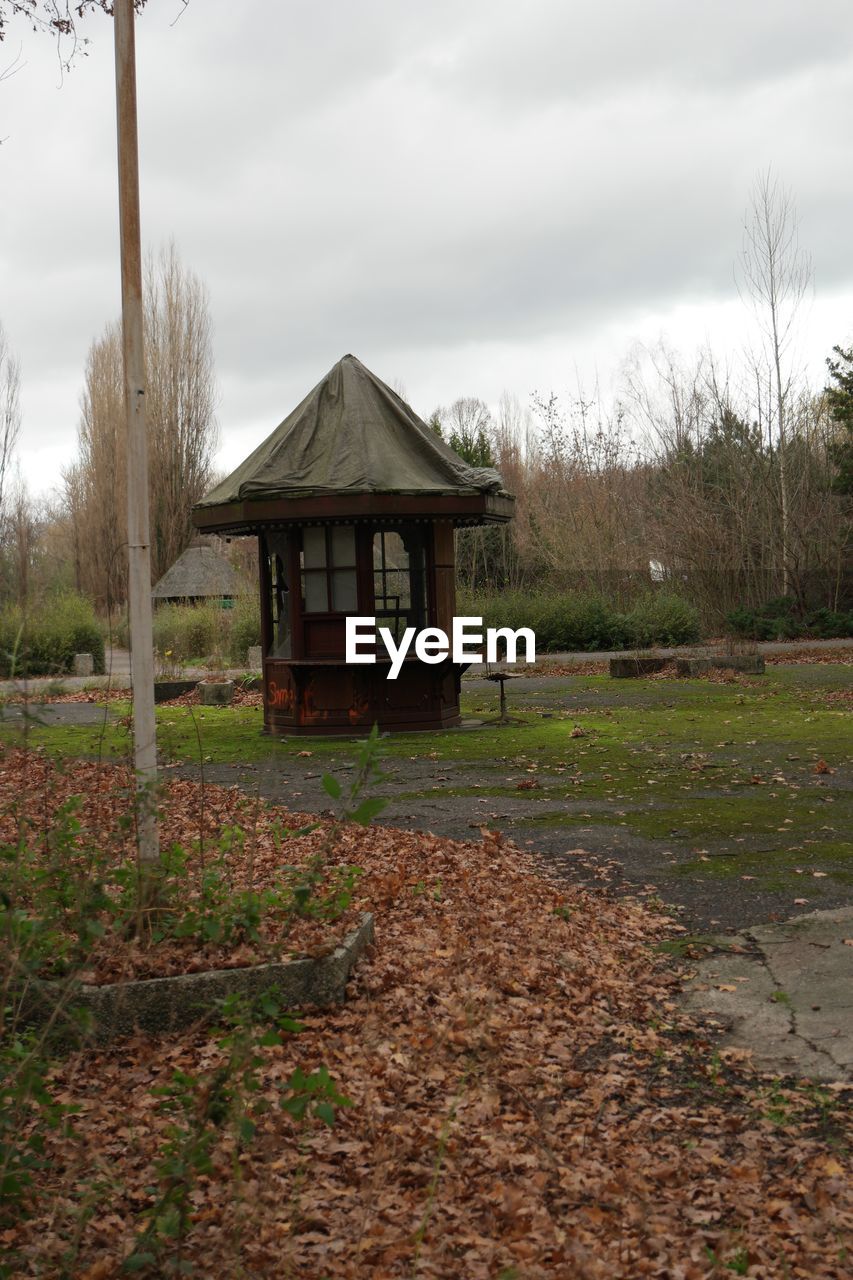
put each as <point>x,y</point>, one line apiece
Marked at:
<point>352,434</point>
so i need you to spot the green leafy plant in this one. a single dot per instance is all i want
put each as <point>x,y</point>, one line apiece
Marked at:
<point>662,619</point>
<point>49,922</point>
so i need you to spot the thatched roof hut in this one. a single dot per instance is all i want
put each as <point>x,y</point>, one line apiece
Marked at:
<point>199,574</point>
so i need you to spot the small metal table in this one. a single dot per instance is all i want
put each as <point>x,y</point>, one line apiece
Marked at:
<point>501,677</point>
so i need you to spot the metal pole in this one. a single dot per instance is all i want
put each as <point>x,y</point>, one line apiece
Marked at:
<point>139,551</point>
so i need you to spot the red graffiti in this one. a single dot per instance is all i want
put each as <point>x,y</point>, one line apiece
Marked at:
<point>280,698</point>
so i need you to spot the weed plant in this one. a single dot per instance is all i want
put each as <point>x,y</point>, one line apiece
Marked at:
<point>194,632</point>
<point>61,892</point>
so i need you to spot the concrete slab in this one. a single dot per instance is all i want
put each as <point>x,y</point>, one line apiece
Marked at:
<point>785,992</point>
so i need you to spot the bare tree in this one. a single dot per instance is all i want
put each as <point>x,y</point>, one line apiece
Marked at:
<point>712,484</point>
<point>10,413</point>
<point>776,276</point>
<point>584,504</point>
<point>21,538</point>
<point>182,433</point>
<point>58,18</point>
<point>181,401</point>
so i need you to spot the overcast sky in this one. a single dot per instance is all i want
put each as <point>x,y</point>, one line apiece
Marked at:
<point>472,196</point>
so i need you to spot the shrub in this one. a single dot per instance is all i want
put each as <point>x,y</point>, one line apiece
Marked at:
<point>509,609</point>
<point>662,619</point>
<point>45,640</point>
<point>587,622</point>
<point>245,629</point>
<point>560,621</point>
<point>577,622</point>
<point>827,624</point>
<point>117,628</point>
<point>778,620</point>
<point>190,631</point>
<point>200,631</point>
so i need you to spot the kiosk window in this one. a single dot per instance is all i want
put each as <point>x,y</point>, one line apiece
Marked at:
<point>329,582</point>
<point>399,579</point>
<point>278,550</point>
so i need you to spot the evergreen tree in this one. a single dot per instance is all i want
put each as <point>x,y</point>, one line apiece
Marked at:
<point>839,398</point>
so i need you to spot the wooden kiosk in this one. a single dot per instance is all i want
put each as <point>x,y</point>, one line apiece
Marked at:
<point>354,501</point>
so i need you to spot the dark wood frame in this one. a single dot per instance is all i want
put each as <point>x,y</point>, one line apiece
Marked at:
<point>250,515</point>
<point>314,691</point>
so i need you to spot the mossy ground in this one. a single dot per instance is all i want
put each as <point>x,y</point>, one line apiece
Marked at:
<point>704,781</point>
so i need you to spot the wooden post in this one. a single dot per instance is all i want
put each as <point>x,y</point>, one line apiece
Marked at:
<point>139,550</point>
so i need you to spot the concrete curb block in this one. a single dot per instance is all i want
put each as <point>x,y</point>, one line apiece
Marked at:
<point>747,664</point>
<point>218,694</point>
<point>164,690</point>
<point>628,667</point>
<point>165,1004</point>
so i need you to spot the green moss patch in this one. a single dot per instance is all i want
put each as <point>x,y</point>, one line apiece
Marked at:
<point>750,778</point>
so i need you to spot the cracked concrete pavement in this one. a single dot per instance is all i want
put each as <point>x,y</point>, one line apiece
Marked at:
<point>785,992</point>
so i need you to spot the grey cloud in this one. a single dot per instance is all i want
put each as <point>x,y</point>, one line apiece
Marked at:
<point>417,182</point>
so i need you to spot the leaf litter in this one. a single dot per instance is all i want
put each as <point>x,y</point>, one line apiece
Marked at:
<point>529,1100</point>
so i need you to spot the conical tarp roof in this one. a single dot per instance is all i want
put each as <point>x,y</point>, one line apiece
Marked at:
<point>351,435</point>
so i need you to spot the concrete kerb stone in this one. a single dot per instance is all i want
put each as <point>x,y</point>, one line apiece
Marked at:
<point>158,1005</point>
<point>84,664</point>
<point>218,694</point>
<point>627,666</point>
<point>165,690</point>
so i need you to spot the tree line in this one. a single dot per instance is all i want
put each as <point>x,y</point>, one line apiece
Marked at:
<point>730,481</point>
<point>679,480</point>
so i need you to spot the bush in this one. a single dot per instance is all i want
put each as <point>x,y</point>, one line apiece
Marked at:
<point>189,631</point>
<point>587,622</point>
<point>829,625</point>
<point>578,622</point>
<point>117,628</point>
<point>779,620</point>
<point>45,640</point>
<point>662,619</point>
<point>199,631</point>
<point>245,629</point>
